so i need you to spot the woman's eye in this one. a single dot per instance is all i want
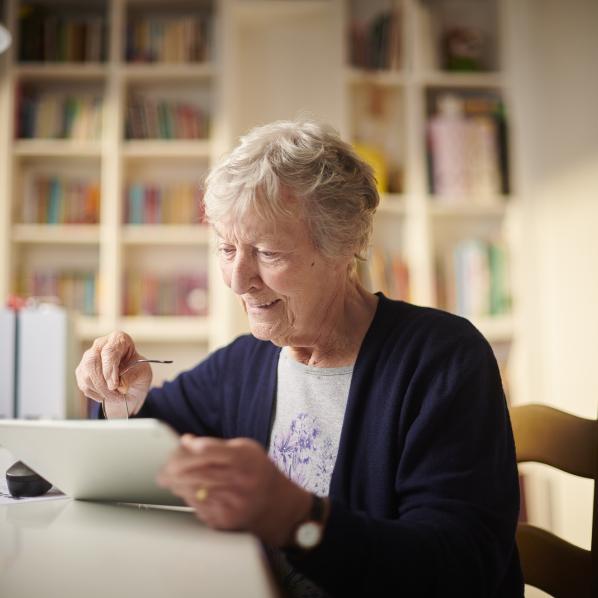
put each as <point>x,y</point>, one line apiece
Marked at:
<point>226,251</point>
<point>269,255</point>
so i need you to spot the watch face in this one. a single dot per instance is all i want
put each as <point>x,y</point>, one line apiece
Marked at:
<point>308,534</point>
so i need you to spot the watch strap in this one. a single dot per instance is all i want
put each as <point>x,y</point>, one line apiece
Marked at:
<point>316,513</point>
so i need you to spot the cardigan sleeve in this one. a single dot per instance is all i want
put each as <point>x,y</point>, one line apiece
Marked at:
<point>190,402</point>
<point>456,490</point>
<point>228,394</point>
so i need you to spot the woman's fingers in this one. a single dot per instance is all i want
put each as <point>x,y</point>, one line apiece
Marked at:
<point>90,378</point>
<point>198,477</point>
<point>118,348</point>
<point>98,373</point>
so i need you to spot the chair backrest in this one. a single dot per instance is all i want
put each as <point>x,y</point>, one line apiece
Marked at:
<point>569,443</point>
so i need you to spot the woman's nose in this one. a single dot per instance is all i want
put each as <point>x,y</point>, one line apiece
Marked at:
<point>244,274</point>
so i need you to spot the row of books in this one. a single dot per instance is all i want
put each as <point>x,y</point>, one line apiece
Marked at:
<point>387,272</point>
<point>52,115</point>
<point>376,44</point>
<point>168,39</point>
<point>144,294</point>
<point>61,200</point>
<point>76,290</point>
<point>168,203</point>
<point>467,147</point>
<point>165,119</point>
<point>47,36</point>
<point>162,295</point>
<point>474,280</point>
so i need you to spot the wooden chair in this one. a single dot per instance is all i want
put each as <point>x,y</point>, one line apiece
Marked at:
<point>569,443</point>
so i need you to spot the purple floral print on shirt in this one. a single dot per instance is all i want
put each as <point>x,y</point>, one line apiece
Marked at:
<point>304,455</point>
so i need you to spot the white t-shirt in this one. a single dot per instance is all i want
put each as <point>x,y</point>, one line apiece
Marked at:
<point>309,413</point>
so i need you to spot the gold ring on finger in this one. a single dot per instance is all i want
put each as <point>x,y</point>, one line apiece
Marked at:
<point>201,494</point>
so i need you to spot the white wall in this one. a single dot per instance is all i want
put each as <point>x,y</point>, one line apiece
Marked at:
<point>554,59</point>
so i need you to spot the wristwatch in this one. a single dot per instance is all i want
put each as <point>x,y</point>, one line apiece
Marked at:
<point>308,534</point>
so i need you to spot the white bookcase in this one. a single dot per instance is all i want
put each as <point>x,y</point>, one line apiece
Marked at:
<point>412,221</point>
<point>268,59</point>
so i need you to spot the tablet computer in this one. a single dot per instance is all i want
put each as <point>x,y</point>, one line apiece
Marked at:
<point>114,460</point>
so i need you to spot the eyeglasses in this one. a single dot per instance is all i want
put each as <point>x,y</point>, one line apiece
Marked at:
<point>130,366</point>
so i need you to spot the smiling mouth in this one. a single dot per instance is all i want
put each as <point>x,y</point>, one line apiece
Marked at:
<point>264,305</point>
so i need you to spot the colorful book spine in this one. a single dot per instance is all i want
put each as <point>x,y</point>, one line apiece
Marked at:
<point>376,44</point>
<point>50,115</point>
<point>76,290</point>
<point>50,36</point>
<point>474,279</point>
<point>165,119</point>
<point>170,39</point>
<point>60,200</point>
<point>386,272</point>
<point>169,203</point>
<point>149,294</point>
<point>466,157</point>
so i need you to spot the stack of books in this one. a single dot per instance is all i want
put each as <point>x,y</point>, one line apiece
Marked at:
<point>474,279</point>
<point>184,294</point>
<point>467,148</point>
<point>386,272</point>
<point>376,44</point>
<point>164,119</point>
<point>75,290</point>
<point>48,36</point>
<point>167,38</point>
<point>56,115</point>
<point>155,203</point>
<point>53,199</point>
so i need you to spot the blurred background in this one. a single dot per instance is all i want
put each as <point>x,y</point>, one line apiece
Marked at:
<point>478,117</point>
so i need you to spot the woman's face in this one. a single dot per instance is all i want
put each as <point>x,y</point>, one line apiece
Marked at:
<point>288,288</point>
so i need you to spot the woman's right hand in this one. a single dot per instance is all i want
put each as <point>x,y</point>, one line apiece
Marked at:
<point>98,374</point>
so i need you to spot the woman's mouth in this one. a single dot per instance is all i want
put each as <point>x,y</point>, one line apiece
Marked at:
<point>262,306</point>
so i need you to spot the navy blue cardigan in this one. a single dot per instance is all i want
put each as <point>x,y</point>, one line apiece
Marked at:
<point>424,492</point>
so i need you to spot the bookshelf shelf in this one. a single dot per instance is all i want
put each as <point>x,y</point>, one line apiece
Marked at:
<point>356,76</point>
<point>465,80</point>
<point>167,72</point>
<point>439,208</point>
<point>60,148</point>
<point>255,10</point>
<point>166,149</point>
<point>67,71</point>
<point>161,328</point>
<point>165,234</point>
<point>66,234</point>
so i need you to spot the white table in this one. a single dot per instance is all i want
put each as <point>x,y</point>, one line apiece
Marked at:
<point>74,549</point>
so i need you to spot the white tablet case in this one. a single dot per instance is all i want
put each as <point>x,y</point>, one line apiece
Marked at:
<point>99,460</point>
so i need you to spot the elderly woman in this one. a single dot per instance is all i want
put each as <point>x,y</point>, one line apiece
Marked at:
<point>365,441</point>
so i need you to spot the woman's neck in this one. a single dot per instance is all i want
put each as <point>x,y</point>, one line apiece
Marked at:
<point>340,341</point>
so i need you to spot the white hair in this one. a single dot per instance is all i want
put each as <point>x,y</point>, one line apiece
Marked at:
<point>307,161</point>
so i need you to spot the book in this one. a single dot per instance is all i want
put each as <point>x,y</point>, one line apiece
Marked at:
<point>153,294</point>
<point>60,199</point>
<point>473,278</point>
<point>375,44</point>
<point>464,146</point>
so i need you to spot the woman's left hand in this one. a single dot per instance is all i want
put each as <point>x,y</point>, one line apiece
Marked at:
<point>233,485</point>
